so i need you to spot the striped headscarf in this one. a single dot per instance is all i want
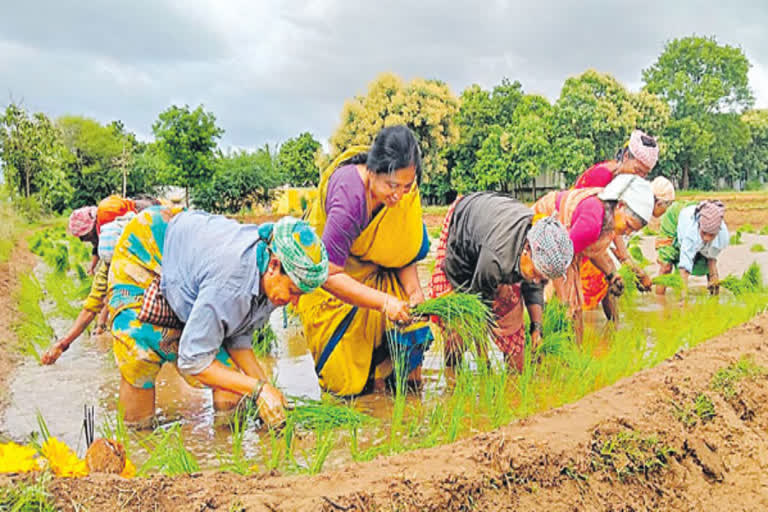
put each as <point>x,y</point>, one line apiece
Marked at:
<point>551,247</point>
<point>711,213</point>
<point>82,221</point>
<point>644,148</point>
<point>301,253</point>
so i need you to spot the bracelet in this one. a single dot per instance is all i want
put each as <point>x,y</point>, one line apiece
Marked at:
<point>257,392</point>
<point>385,304</point>
<point>536,326</point>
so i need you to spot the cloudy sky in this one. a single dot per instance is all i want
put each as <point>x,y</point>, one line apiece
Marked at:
<point>270,70</point>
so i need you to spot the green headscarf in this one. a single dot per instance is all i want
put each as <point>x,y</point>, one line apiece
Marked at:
<point>301,253</point>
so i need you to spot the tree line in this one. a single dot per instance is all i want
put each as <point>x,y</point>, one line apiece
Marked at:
<point>695,98</point>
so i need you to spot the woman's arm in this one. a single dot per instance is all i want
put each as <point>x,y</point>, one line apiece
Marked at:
<point>409,278</point>
<point>342,286</point>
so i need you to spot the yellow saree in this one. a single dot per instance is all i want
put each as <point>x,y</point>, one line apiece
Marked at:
<point>392,240</point>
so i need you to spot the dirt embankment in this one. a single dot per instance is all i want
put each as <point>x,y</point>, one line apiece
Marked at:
<point>645,443</point>
<point>19,262</point>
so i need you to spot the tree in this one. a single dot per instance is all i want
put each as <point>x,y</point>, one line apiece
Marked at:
<point>34,157</point>
<point>702,81</point>
<point>241,178</point>
<point>98,150</point>
<point>753,161</point>
<point>188,139</point>
<point>297,160</point>
<point>427,107</point>
<point>594,116</point>
<point>481,114</point>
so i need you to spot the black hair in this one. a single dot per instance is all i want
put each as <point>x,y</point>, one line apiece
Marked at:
<point>395,147</point>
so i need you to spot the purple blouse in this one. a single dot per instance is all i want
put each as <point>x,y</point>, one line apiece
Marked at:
<point>346,213</point>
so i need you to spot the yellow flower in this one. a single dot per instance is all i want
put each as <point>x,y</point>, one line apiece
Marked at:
<point>129,471</point>
<point>15,458</point>
<point>62,460</point>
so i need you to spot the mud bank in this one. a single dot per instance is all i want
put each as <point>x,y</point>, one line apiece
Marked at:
<point>626,447</point>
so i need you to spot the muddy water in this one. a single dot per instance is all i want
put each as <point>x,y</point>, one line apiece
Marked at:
<point>86,374</point>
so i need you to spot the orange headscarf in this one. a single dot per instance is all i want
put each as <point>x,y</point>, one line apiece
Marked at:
<point>111,208</point>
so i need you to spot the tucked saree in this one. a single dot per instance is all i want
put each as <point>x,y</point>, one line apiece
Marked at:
<point>343,338</point>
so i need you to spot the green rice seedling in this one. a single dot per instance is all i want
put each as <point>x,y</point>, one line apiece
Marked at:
<point>397,354</point>
<point>237,462</point>
<point>746,228</point>
<point>114,428</point>
<point>557,329</point>
<point>31,326</point>
<point>757,248</point>
<point>764,231</point>
<point>648,231</point>
<point>323,446</point>
<point>63,291</point>
<point>736,238</point>
<point>630,282</point>
<point>28,495</point>
<point>629,453</point>
<point>264,340</point>
<point>58,258</point>
<point>167,454</point>
<point>638,257</point>
<point>700,409</point>
<point>278,448</point>
<point>726,379</point>
<point>750,282</point>
<point>462,314</point>
<point>82,275</point>
<point>327,414</point>
<point>672,280</point>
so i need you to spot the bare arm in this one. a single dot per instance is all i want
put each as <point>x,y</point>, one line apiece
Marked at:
<point>246,360</point>
<point>219,376</point>
<point>409,278</point>
<point>342,286</point>
<point>54,352</point>
<point>604,263</point>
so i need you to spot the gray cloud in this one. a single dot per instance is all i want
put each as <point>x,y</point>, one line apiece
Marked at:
<point>271,69</point>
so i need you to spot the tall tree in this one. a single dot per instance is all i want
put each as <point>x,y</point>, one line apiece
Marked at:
<point>34,157</point>
<point>188,138</point>
<point>427,107</point>
<point>297,160</point>
<point>594,116</point>
<point>702,81</point>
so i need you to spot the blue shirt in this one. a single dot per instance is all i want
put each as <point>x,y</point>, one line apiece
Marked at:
<point>690,239</point>
<point>211,281</point>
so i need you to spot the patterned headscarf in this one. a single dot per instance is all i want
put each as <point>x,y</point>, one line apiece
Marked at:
<point>301,253</point>
<point>711,215</point>
<point>647,154</point>
<point>663,189</point>
<point>82,221</point>
<point>111,208</point>
<point>551,247</point>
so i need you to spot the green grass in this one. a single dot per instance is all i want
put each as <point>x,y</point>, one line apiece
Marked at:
<point>31,326</point>
<point>27,495</point>
<point>167,454</point>
<point>435,232</point>
<point>700,409</point>
<point>757,248</point>
<point>629,453</point>
<point>726,380</point>
<point>12,224</point>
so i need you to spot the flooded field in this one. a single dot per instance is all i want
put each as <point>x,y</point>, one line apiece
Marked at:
<point>86,375</point>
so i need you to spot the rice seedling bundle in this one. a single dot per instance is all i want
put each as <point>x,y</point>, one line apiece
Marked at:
<point>462,314</point>
<point>672,280</point>
<point>630,281</point>
<point>324,415</point>
<point>637,255</point>
<point>750,282</point>
<point>757,248</point>
<point>736,238</point>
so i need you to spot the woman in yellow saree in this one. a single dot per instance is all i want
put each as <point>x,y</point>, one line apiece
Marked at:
<point>368,212</point>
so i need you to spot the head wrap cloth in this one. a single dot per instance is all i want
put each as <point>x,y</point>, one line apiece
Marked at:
<point>710,215</point>
<point>299,249</point>
<point>551,247</point>
<point>82,221</point>
<point>648,155</point>
<point>663,190</point>
<point>633,191</point>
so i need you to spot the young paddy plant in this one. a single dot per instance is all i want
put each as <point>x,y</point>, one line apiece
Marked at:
<point>28,495</point>
<point>167,453</point>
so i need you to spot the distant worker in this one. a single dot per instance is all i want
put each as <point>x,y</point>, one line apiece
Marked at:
<point>692,237</point>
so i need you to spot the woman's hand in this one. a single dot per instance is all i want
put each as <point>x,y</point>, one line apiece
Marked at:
<point>271,404</point>
<point>644,283</point>
<point>396,310</point>
<point>615,285</point>
<point>416,297</point>
<point>53,353</point>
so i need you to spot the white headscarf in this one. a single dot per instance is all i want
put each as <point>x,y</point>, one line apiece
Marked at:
<point>633,191</point>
